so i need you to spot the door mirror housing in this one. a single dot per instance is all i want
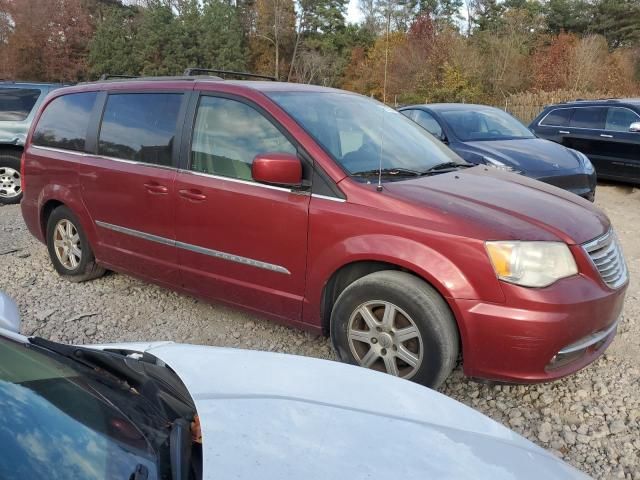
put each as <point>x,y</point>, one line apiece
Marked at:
<point>634,127</point>
<point>281,169</point>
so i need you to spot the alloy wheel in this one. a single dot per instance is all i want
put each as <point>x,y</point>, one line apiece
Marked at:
<point>66,243</point>
<point>384,337</point>
<point>10,184</point>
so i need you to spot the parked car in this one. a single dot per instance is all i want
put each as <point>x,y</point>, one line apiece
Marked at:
<point>607,131</point>
<point>18,104</point>
<point>151,411</point>
<point>329,211</point>
<point>490,136</point>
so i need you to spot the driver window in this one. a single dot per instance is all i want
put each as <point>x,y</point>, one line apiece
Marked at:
<point>228,135</point>
<point>619,119</point>
<point>426,121</point>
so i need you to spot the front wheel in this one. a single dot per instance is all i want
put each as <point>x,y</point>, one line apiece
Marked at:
<point>396,323</point>
<point>10,180</point>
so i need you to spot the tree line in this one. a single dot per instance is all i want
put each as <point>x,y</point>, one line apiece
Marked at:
<point>401,51</point>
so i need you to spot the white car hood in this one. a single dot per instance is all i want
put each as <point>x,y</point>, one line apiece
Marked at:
<point>274,416</point>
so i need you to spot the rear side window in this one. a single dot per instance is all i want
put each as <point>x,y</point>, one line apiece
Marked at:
<point>588,117</point>
<point>620,119</point>
<point>63,124</point>
<point>140,127</point>
<point>557,118</point>
<point>17,103</point>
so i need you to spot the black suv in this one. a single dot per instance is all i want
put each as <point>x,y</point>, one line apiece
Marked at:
<point>607,131</point>
<point>18,104</point>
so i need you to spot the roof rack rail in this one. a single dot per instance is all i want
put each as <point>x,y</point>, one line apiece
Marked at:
<point>107,76</point>
<point>189,72</point>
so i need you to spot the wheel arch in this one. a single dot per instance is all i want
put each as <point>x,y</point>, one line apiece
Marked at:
<point>338,266</point>
<point>45,212</point>
<point>54,196</point>
<point>345,276</point>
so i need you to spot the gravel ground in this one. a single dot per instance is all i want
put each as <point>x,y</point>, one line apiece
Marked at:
<point>591,419</point>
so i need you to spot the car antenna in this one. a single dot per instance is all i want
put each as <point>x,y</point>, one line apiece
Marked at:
<point>379,186</point>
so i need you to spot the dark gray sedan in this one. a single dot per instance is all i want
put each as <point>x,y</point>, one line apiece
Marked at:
<point>490,136</point>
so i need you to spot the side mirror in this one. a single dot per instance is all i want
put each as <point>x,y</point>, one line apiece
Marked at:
<point>444,139</point>
<point>634,127</point>
<point>281,169</point>
<point>9,315</point>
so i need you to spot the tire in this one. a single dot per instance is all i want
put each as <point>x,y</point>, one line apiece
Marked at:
<point>10,181</point>
<point>69,248</point>
<point>422,325</point>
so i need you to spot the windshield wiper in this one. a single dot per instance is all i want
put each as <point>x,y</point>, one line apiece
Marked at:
<point>399,172</point>
<point>446,167</point>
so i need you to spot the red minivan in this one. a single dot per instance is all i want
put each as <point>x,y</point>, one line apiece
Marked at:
<point>328,211</point>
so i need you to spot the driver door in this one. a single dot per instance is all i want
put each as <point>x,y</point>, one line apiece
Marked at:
<point>239,241</point>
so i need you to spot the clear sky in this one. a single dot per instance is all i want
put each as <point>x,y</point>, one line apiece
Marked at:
<point>353,13</point>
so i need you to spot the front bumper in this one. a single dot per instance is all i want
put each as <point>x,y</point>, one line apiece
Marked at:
<point>582,184</point>
<point>539,335</point>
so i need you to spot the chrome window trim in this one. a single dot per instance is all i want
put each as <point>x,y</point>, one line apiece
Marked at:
<point>325,197</point>
<point>191,172</point>
<point>236,180</point>
<point>103,157</point>
<point>132,162</point>
<point>58,150</point>
<point>195,248</point>
<point>540,124</point>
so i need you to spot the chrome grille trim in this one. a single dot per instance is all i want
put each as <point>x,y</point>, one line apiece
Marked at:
<point>606,255</point>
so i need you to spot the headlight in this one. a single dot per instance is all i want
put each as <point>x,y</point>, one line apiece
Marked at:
<point>531,264</point>
<point>586,163</point>
<point>492,162</point>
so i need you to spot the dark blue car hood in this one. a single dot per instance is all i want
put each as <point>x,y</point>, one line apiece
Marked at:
<point>534,156</point>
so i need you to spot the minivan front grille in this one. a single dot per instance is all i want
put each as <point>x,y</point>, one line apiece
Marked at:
<point>606,255</point>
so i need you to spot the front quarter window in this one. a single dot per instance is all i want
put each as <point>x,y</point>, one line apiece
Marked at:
<point>362,134</point>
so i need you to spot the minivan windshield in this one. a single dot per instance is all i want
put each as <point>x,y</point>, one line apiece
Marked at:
<point>486,124</point>
<point>363,135</point>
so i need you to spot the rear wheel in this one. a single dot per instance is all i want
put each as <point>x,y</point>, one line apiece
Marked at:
<point>10,180</point>
<point>69,248</point>
<point>396,323</point>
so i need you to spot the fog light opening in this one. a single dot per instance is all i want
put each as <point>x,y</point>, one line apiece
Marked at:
<point>560,360</point>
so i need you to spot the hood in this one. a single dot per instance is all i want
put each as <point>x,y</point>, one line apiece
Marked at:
<point>533,156</point>
<point>497,205</point>
<point>274,416</point>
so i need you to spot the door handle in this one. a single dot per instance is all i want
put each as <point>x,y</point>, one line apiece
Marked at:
<point>156,188</point>
<point>606,136</point>
<point>195,195</point>
<point>564,131</point>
